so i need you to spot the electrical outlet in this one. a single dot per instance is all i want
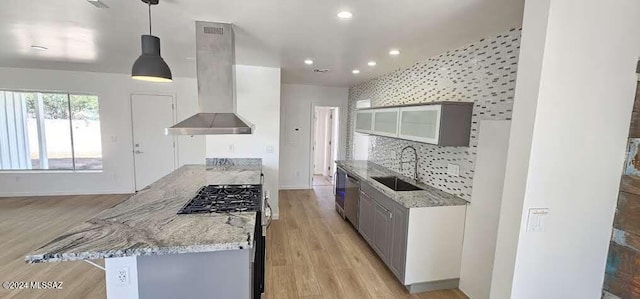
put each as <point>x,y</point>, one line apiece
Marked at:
<point>122,276</point>
<point>231,148</point>
<point>297,174</point>
<point>269,149</point>
<point>453,169</point>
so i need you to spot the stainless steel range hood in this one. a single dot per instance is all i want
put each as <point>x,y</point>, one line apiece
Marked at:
<point>215,59</point>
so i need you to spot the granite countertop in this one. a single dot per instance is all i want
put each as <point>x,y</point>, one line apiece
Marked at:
<point>429,197</point>
<point>147,223</point>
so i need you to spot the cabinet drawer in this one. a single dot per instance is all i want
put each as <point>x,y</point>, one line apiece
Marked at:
<point>377,196</point>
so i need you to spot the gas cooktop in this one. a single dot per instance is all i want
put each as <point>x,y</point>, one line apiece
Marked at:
<point>224,199</point>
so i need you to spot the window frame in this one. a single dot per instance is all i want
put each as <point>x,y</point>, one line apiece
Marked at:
<point>40,118</point>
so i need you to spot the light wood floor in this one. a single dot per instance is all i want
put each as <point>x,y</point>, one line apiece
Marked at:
<point>27,223</point>
<point>320,180</point>
<point>311,251</point>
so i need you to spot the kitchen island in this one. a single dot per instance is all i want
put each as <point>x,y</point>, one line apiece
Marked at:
<point>152,252</point>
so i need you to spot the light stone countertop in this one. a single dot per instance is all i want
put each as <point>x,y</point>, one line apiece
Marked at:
<point>147,223</point>
<point>429,197</point>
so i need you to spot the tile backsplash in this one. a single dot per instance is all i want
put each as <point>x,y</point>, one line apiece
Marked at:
<point>483,72</point>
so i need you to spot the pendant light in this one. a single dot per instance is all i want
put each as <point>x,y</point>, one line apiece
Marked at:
<point>150,66</point>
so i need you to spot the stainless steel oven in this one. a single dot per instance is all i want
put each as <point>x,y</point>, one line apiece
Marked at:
<point>263,221</point>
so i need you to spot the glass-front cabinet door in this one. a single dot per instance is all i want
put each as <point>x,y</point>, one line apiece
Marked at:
<point>385,122</point>
<point>420,123</point>
<point>364,121</point>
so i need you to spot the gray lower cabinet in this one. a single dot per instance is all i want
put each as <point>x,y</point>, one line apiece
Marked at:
<point>365,219</point>
<point>382,231</point>
<point>383,224</point>
<point>400,227</point>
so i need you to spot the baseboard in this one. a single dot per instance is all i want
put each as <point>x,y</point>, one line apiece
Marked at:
<point>62,193</point>
<point>433,285</point>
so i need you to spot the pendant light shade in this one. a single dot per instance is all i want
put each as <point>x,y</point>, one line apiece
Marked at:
<point>150,66</point>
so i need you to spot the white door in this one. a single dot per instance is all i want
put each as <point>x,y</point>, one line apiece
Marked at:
<point>328,152</point>
<point>154,152</point>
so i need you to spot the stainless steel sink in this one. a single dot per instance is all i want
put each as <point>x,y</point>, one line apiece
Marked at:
<point>396,184</point>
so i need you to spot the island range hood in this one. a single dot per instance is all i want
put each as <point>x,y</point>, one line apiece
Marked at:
<point>215,59</point>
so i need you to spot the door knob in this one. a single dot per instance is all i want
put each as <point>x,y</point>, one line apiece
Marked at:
<point>137,152</point>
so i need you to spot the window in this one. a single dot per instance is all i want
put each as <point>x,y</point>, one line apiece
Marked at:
<point>48,130</point>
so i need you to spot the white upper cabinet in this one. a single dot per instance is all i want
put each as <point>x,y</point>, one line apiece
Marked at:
<point>385,122</point>
<point>420,123</point>
<point>444,123</point>
<point>364,121</point>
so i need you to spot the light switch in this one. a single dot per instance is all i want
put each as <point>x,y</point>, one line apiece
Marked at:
<point>453,169</point>
<point>231,148</point>
<point>535,221</point>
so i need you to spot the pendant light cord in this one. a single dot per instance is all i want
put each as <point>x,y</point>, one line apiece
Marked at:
<point>150,18</point>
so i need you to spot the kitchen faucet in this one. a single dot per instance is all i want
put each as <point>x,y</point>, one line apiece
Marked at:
<point>415,161</point>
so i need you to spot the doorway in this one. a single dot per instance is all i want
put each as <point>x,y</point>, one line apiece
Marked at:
<point>324,150</point>
<point>154,152</point>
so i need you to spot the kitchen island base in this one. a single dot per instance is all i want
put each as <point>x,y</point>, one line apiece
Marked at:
<point>219,274</point>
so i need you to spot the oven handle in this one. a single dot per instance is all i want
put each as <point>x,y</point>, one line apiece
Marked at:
<point>268,211</point>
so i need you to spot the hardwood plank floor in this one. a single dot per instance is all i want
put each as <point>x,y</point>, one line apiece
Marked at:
<point>311,251</point>
<point>27,223</point>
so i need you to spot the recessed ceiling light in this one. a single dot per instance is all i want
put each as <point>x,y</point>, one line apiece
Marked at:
<point>40,48</point>
<point>356,71</point>
<point>372,63</point>
<point>308,61</point>
<point>345,15</point>
<point>394,52</point>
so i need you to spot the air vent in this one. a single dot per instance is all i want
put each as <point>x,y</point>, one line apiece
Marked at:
<point>320,70</point>
<point>214,30</point>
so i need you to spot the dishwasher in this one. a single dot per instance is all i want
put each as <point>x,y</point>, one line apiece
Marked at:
<point>352,200</point>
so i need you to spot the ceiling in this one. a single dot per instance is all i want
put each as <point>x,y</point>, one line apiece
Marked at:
<point>279,33</point>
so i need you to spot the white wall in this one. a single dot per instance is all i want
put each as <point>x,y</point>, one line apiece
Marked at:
<point>481,225</point>
<point>573,103</point>
<point>115,115</point>
<point>297,105</point>
<point>258,101</point>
